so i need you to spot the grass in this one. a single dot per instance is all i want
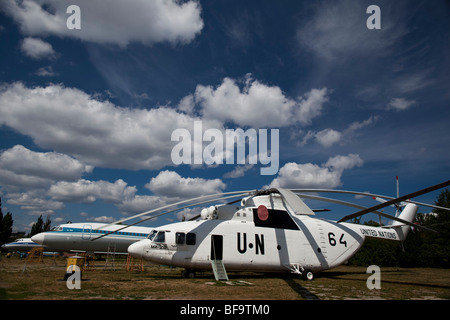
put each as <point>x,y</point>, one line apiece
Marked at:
<point>44,281</point>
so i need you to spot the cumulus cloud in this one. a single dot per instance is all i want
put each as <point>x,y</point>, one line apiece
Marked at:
<point>33,204</point>
<point>328,137</point>
<point>86,191</point>
<point>170,184</point>
<point>46,71</point>
<point>95,132</point>
<point>21,168</point>
<point>141,203</point>
<point>400,104</point>
<point>110,21</point>
<point>37,49</point>
<point>102,219</point>
<point>309,175</point>
<point>47,165</point>
<point>256,104</point>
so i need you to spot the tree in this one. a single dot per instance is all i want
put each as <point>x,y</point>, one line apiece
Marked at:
<point>39,226</point>
<point>6,223</point>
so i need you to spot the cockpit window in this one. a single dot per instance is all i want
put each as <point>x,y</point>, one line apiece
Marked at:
<point>56,228</point>
<point>152,235</point>
<point>160,237</point>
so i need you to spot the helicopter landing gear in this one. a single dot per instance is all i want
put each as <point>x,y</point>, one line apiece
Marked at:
<point>307,275</point>
<point>188,273</point>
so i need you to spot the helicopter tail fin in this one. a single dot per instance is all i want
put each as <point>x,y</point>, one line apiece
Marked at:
<point>408,214</point>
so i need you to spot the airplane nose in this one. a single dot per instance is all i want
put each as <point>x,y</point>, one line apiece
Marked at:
<point>136,250</point>
<point>38,238</point>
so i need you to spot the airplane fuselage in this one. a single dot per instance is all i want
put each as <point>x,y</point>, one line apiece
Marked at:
<point>22,245</point>
<point>78,236</point>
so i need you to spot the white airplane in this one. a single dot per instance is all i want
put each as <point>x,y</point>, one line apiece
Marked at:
<point>22,245</point>
<point>269,231</point>
<point>76,237</point>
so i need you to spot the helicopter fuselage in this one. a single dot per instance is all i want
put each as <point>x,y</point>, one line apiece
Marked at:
<point>258,236</point>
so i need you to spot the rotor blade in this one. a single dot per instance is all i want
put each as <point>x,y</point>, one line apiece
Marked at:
<point>296,204</point>
<point>177,203</point>
<point>361,207</point>
<point>367,194</point>
<point>388,203</point>
<point>167,212</point>
<point>345,203</point>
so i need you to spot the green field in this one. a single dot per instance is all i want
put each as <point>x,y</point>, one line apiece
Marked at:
<point>44,281</point>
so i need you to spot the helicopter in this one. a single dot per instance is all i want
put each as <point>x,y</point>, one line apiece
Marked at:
<point>270,230</point>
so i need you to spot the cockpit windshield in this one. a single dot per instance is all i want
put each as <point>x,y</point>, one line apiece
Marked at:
<point>157,236</point>
<point>152,235</point>
<point>57,228</point>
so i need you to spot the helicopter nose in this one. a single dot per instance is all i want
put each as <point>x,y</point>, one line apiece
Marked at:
<point>38,238</point>
<point>136,250</point>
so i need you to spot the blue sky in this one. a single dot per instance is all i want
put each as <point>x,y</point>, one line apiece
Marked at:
<point>86,115</point>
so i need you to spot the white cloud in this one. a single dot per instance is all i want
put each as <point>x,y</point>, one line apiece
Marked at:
<point>46,72</point>
<point>238,171</point>
<point>170,184</point>
<point>86,191</point>
<point>102,219</point>
<point>256,105</point>
<point>95,132</point>
<point>37,49</point>
<point>341,163</point>
<point>141,203</point>
<point>111,21</point>
<point>47,165</point>
<point>400,104</point>
<point>308,175</point>
<point>34,205</point>
<point>337,30</point>
<point>328,137</point>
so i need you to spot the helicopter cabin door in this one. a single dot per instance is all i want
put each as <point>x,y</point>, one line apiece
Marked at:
<point>216,258</point>
<point>216,247</point>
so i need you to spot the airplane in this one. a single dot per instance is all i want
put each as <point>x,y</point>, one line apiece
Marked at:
<point>21,245</point>
<point>271,230</point>
<point>76,237</point>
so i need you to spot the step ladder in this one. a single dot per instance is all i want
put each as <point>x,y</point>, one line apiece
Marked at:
<point>219,270</point>
<point>111,256</point>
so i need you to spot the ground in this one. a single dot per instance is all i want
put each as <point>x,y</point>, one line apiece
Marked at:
<point>45,281</point>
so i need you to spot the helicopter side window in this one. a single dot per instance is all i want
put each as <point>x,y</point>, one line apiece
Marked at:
<point>180,237</point>
<point>191,238</point>
<point>160,237</point>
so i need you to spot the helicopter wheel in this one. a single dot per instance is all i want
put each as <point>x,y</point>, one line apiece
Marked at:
<point>187,273</point>
<point>308,275</point>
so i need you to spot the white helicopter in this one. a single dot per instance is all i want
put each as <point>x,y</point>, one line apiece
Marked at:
<point>269,231</point>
